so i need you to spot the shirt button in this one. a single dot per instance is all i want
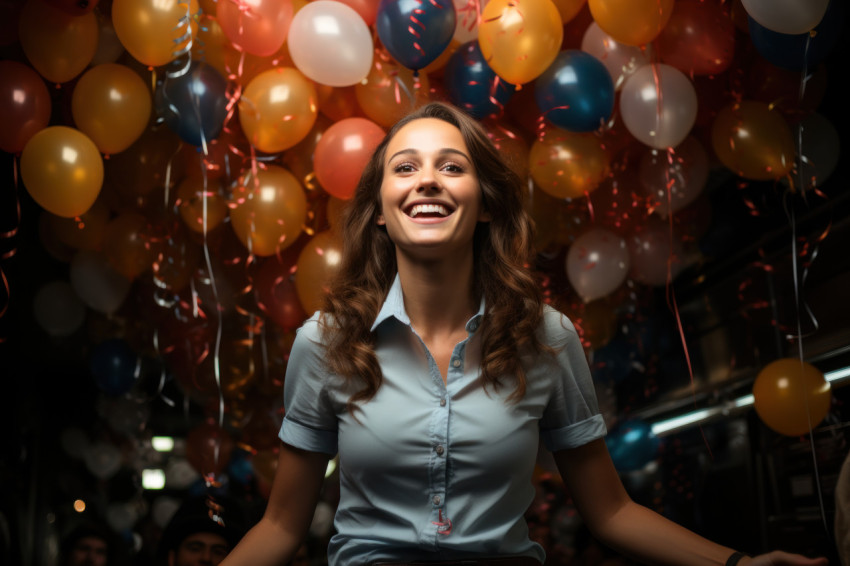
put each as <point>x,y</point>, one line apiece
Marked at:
<point>442,402</point>
<point>436,500</point>
<point>439,450</point>
<point>456,363</point>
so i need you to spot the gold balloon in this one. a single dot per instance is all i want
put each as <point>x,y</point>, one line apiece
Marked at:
<point>791,396</point>
<point>59,46</point>
<point>632,22</point>
<point>200,203</point>
<point>62,170</point>
<point>152,30</point>
<point>390,91</point>
<point>567,164</point>
<point>84,232</point>
<point>268,210</point>
<point>316,265</point>
<point>127,245</point>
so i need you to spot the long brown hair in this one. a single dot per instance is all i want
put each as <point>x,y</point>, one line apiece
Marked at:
<point>502,250</point>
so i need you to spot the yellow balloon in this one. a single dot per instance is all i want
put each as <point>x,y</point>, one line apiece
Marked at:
<point>632,22</point>
<point>567,164</point>
<point>519,39</point>
<point>791,396</point>
<point>153,30</point>
<point>62,170</point>
<point>59,46</point>
<point>277,109</point>
<point>112,105</point>
<point>317,263</point>
<point>268,210</point>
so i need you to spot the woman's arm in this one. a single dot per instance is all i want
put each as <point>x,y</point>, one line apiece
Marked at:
<point>636,531</point>
<point>275,539</point>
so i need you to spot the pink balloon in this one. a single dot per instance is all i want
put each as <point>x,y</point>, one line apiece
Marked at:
<point>659,105</point>
<point>342,152</point>
<point>259,27</point>
<point>684,171</point>
<point>597,263</point>
<point>651,247</point>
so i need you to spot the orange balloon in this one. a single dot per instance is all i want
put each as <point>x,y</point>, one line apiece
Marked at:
<point>58,45</point>
<point>567,164</point>
<point>791,396</point>
<point>343,152</point>
<point>268,210</point>
<point>633,22</point>
<point>390,90</point>
<point>316,264</point>
<point>84,232</point>
<point>569,9</point>
<point>753,141</point>
<point>153,30</point>
<point>258,27</point>
<point>338,103</point>
<point>299,158</point>
<point>112,105</point>
<point>519,39</point>
<point>201,204</point>
<point>62,170</point>
<point>127,245</point>
<point>277,109</point>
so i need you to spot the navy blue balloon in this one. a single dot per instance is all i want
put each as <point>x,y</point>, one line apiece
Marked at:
<point>614,361</point>
<point>472,85</point>
<point>799,51</point>
<point>113,364</point>
<point>194,105</point>
<point>632,445</point>
<point>416,32</point>
<point>576,92</point>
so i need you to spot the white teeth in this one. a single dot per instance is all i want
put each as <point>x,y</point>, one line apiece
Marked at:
<point>428,209</point>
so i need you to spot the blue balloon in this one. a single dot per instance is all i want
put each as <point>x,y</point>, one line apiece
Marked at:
<point>576,92</point>
<point>472,85</point>
<point>194,104</point>
<point>415,32</point>
<point>113,364</point>
<point>614,361</point>
<point>799,51</point>
<point>632,445</point>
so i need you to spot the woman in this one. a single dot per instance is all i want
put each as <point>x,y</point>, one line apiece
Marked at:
<point>435,368</point>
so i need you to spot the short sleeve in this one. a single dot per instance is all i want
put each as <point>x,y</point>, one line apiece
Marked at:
<point>309,420</point>
<point>571,417</point>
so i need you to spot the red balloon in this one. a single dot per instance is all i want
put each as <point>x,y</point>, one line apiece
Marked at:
<point>342,153</point>
<point>276,294</point>
<point>698,39</point>
<point>24,105</point>
<point>208,448</point>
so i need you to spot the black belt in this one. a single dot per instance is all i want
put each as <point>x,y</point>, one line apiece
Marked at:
<point>500,561</point>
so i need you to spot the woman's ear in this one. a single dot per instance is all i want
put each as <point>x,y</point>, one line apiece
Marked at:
<point>484,216</point>
<point>380,220</point>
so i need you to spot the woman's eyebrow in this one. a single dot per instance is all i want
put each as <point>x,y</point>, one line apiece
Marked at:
<point>443,151</point>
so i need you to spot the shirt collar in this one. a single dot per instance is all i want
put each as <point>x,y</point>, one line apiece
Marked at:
<point>394,307</point>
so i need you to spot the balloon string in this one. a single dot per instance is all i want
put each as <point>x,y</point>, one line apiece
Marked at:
<point>182,55</point>
<point>8,235</point>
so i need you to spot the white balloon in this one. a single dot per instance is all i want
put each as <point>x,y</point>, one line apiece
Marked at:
<point>179,474</point>
<point>103,460</point>
<point>597,263</point>
<point>659,105</point>
<point>620,59</point>
<point>787,16</point>
<point>57,309</point>
<point>468,15</point>
<point>97,283</point>
<point>330,43</point>
<point>163,509</point>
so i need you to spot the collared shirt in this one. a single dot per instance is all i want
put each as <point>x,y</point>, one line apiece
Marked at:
<point>433,470</point>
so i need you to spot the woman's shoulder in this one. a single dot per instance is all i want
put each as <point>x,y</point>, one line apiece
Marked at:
<point>312,330</point>
<point>556,327</point>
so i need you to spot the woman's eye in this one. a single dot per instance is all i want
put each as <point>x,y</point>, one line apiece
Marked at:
<point>453,168</point>
<point>403,168</point>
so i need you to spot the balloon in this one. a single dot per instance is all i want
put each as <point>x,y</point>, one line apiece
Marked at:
<point>103,460</point>
<point>817,143</point>
<point>84,231</point>
<point>802,51</point>
<point>97,283</point>
<point>155,31</point>
<point>780,88</point>
<point>258,27</point>
<point>620,59</point>
<point>276,294</point>
<point>57,309</point>
<point>208,448</point>
<point>194,105</point>
<point>654,251</point>
<point>467,14</point>
<point>109,47</point>
<point>114,366</point>
<point>317,262</point>
<point>472,85</point>
<point>699,38</point>
<point>576,92</point>
<point>58,45</point>
<point>659,105</point>
<point>617,203</point>
<point>62,170</point>
<point>519,39</point>
<point>366,9</point>
<point>343,152</point>
<point>597,263</point>
<point>786,16</point>
<point>791,396</point>
<point>415,33</point>
<point>614,361</point>
<point>268,210</point>
<point>569,9</point>
<point>390,91</point>
<point>24,105</point>
<point>632,445</point>
<point>74,7</point>
<point>201,204</point>
<point>568,165</point>
<point>127,245</point>
<point>112,105</point>
<point>299,158</point>
<point>633,22</point>
<point>277,109</point>
<point>753,141</point>
<point>330,43</point>
<point>175,261</point>
<point>673,179</point>
<point>338,102</point>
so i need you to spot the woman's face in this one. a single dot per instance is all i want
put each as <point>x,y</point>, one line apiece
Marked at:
<point>430,194</point>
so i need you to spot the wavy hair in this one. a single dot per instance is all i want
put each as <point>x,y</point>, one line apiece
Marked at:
<point>502,251</point>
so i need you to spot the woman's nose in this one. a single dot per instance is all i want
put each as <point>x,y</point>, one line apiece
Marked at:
<point>427,181</point>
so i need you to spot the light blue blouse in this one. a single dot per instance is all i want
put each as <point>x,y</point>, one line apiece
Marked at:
<point>434,471</point>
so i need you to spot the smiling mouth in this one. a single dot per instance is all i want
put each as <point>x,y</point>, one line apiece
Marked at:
<point>428,211</point>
